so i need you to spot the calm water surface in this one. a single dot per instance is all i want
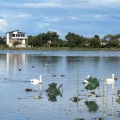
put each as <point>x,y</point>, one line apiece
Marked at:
<point>18,67</point>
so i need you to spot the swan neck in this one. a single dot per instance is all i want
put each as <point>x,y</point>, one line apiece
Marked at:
<point>113,77</point>
<point>40,79</point>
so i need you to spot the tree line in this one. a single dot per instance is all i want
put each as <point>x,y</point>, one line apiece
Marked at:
<point>52,39</point>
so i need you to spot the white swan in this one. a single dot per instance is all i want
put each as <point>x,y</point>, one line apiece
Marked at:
<point>37,81</point>
<point>85,81</point>
<point>110,80</point>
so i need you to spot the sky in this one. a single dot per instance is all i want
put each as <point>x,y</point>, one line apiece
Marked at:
<point>84,17</point>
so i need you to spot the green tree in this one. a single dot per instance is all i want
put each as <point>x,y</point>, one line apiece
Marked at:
<point>112,44</point>
<point>97,37</point>
<point>16,43</point>
<point>75,40</point>
<point>70,37</point>
<point>34,41</point>
<point>95,42</point>
<point>2,40</point>
<point>49,36</point>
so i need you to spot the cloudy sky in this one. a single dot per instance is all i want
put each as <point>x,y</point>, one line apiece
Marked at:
<point>83,17</point>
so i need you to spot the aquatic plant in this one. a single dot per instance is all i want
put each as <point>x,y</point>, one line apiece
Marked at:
<point>53,91</point>
<point>37,97</point>
<point>92,106</point>
<point>118,93</point>
<point>92,83</point>
<point>76,98</point>
<point>118,100</point>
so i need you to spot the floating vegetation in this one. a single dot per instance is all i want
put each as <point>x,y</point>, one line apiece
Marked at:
<point>37,97</point>
<point>118,93</point>
<point>53,91</point>
<point>91,83</point>
<point>118,100</point>
<point>92,106</point>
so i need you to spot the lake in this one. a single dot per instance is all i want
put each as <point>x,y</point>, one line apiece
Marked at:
<point>18,67</point>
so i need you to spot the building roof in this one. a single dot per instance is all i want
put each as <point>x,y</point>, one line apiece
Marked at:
<point>14,31</point>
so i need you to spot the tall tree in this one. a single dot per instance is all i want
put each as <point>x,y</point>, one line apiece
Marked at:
<point>95,42</point>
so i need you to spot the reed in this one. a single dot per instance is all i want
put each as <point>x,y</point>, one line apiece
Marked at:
<point>112,109</point>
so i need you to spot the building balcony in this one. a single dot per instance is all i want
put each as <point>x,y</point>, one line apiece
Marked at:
<point>19,37</point>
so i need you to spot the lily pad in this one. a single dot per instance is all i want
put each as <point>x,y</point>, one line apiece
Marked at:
<point>92,106</point>
<point>118,100</point>
<point>118,93</point>
<point>93,83</point>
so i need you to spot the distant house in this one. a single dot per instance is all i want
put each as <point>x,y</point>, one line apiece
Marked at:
<point>16,36</point>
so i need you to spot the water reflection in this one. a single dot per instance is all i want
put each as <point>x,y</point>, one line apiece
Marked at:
<point>15,60</point>
<point>19,68</point>
<point>118,100</point>
<point>39,96</point>
<point>118,95</point>
<point>92,106</point>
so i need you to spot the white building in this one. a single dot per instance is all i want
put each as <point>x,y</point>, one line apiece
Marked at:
<point>16,36</point>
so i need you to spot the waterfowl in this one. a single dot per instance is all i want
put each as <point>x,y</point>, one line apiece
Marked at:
<point>75,99</point>
<point>110,80</point>
<point>37,81</point>
<point>37,97</point>
<point>85,81</point>
<point>28,90</point>
<point>53,75</point>
<point>62,75</point>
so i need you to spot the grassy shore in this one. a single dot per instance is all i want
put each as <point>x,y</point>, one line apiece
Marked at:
<point>61,48</point>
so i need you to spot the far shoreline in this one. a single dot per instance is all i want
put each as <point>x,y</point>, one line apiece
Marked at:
<point>61,49</point>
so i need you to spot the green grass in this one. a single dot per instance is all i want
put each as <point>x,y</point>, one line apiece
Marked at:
<point>61,48</point>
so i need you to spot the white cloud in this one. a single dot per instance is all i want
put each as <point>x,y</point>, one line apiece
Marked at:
<point>24,15</point>
<point>3,24</point>
<point>99,16</point>
<point>54,19</point>
<point>42,24</point>
<point>79,16</point>
<point>42,5</point>
<point>76,4</point>
<point>103,2</point>
<point>73,17</point>
<point>49,18</point>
